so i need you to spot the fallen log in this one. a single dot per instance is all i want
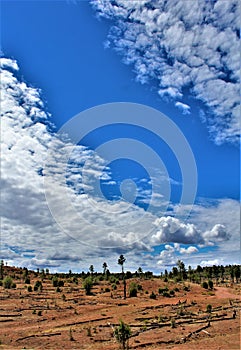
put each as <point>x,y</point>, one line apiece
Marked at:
<point>10,315</point>
<point>83,322</point>
<point>39,335</point>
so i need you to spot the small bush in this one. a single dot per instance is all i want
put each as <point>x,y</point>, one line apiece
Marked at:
<point>209,308</point>
<point>205,285</point>
<point>113,279</point>
<point>186,288</point>
<point>88,284</point>
<point>39,313</point>
<point>173,323</point>
<point>210,284</point>
<point>166,294</point>
<point>152,295</point>
<point>30,289</point>
<point>107,290</point>
<point>8,282</point>
<point>27,280</point>
<point>55,281</point>
<point>122,334</point>
<point>133,290</point>
<point>34,312</point>
<point>60,283</point>
<point>75,280</point>
<point>38,286</point>
<point>176,289</point>
<point>162,290</point>
<point>172,293</point>
<point>58,290</point>
<point>114,286</point>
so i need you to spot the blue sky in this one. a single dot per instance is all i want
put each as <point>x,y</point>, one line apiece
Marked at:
<point>78,62</point>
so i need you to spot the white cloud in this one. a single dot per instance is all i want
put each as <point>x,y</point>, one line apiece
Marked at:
<point>183,107</point>
<point>211,262</point>
<point>179,44</point>
<point>189,250</point>
<point>32,165</point>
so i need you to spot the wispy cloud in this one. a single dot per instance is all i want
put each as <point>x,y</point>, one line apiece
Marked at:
<point>183,44</point>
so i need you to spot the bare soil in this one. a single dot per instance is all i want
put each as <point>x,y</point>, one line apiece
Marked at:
<point>47,320</point>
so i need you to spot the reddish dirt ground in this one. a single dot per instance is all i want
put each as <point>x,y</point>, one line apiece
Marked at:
<point>47,320</point>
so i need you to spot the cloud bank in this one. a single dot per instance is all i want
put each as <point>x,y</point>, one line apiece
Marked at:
<point>183,44</point>
<point>31,153</point>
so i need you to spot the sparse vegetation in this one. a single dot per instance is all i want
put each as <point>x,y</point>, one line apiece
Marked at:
<point>180,311</point>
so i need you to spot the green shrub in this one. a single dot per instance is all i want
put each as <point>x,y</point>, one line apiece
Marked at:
<point>162,290</point>
<point>88,284</point>
<point>113,279</point>
<point>55,281</point>
<point>209,308</point>
<point>152,295</point>
<point>60,283</point>
<point>8,282</point>
<point>133,290</point>
<point>75,280</point>
<point>107,289</point>
<point>210,284</point>
<point>27,280</point>
<point>205,285</point>
<point>173,323</point>
<point>172,293</point>
<point>114,286</point>
<point>39,313</point>
<point>38,286</point>
<point>122,334</point>
<point>30,289</point>
<point>139,287</point>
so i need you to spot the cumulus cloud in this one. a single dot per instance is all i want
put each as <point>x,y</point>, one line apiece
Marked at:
<point>171,253</point>
<point>170,229</point>
<point>181,44</point>
<point>189,250</point>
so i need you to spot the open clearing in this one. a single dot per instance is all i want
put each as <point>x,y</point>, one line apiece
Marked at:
<point>69,319</point>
